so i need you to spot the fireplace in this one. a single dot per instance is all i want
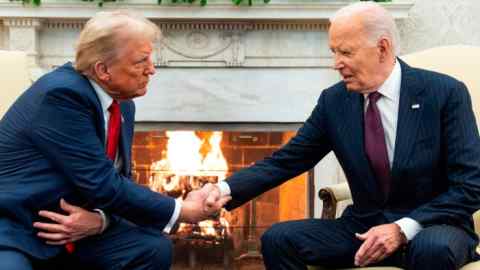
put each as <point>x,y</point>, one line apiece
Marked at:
<point>175,162</point>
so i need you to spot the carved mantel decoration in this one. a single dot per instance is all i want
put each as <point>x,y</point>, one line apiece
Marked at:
<point>218,35</point>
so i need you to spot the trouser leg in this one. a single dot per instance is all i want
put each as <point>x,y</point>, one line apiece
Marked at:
<point>126,246</point>
<point>14,260</point>
<point>440,247</point>
<point>295,244</point>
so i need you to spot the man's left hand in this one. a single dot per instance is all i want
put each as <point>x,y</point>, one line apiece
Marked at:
<point>378,243</point>
<point>77,224</point>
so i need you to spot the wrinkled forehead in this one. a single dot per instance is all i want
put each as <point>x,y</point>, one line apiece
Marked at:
<point>347,28</point>
<point>134,42</point>
<point>341,34</point>
<point>346,25</point>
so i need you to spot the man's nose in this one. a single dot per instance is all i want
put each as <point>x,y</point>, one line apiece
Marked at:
<point>151,68</point>
<point>337,62</point>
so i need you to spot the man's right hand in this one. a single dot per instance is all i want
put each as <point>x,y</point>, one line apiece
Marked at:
<point>202,204</point>
<point>78,223</point>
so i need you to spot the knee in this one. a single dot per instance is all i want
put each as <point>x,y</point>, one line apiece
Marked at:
<point>276,236</point>
<point>157,251</point>
<point>428,250</point>
<point>14,260</point>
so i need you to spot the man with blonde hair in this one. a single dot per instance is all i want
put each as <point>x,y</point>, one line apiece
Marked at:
<point>407,141</point>
<point>68,139</point>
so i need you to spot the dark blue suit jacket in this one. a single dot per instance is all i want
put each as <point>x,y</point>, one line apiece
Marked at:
<point>52,146</point>
<point>436,168</point>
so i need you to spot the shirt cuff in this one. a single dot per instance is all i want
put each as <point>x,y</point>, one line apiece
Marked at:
<point>174,217</point>
<point>409,227</point>
<point>224,188</point>
<point>105,220</point>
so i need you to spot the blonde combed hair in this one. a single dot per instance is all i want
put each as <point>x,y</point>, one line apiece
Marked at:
<point>105,35</point>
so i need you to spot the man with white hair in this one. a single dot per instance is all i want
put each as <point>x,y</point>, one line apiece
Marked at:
<point>407,141</point>
<point>68,139</point>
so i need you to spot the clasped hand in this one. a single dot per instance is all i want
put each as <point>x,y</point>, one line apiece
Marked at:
<point>202,204</point>
<point>76,224</point>
<point>378,243</point>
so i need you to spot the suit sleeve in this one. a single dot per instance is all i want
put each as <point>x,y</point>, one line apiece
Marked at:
<point>461,152</point>
<point>301,153</point>
<point>64,131</point>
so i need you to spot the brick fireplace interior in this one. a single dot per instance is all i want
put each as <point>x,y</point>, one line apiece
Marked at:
<point>176,162</point>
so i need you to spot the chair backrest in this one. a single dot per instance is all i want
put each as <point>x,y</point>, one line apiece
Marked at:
<point>461,62</point>
<point>15,77</point>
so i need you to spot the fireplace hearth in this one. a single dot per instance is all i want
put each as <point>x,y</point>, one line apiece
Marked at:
<point>175,162</point>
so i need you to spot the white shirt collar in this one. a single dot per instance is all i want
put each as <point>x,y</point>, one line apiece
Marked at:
<point>391,87</point>
<point>105,99</point>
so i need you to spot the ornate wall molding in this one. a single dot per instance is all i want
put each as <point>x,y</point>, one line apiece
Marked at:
<point>216,9</point>
<point>284,33</point>
<point>201,47</point>
<point>20,22</point>
<point>321,25</point>
<point>185,43</point>
<point>65,24</point>
<point>23,34</point>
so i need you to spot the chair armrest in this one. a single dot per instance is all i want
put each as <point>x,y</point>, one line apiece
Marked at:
<point>331,195</point>
<point>476,220</point>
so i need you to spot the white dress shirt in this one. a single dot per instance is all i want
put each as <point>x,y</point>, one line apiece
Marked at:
<point>105,102</point>
<point>388,106</point>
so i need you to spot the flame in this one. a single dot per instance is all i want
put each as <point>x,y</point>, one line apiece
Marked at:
<point>191,161</point>
<point>207,228</point>
<point>183,152</point>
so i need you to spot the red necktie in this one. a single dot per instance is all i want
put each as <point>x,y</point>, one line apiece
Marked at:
<point>113,134</point>
<point>375,146</point>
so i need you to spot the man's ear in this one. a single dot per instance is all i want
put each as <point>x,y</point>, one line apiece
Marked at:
<point>384,47</point>
<point>101,72</point>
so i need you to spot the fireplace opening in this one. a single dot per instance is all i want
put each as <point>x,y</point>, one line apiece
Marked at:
<point>175,162</point>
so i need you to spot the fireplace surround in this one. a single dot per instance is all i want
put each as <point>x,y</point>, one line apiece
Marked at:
<point>176,162</point>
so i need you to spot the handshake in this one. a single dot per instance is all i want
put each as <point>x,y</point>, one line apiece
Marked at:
<point>202,204</point>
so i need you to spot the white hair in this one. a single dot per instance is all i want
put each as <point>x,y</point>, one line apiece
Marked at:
<point>377,22</point>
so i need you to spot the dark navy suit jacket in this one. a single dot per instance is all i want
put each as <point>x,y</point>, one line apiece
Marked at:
<point>436,167</point>
<point>52,146</point>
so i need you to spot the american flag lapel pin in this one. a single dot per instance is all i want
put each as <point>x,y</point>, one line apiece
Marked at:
<point>415,106</point>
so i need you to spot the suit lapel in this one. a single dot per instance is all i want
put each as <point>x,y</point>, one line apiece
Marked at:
<point>353,112</point>
<point>124,140</point>
<point>100,118</point>
<point>409,116</point>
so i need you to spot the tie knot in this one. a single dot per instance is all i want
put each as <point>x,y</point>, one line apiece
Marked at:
<point>114,107</point>
<point>373,97</point>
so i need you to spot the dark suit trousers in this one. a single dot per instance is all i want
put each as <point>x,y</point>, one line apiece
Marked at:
<point>332,243</point>
<point>122,246</point>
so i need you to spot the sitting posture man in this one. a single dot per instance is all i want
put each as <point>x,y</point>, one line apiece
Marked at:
<point>69,136</point>
<point>408,143</point>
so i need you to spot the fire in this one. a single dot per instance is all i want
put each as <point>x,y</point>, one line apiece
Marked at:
<point>190,162</point>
